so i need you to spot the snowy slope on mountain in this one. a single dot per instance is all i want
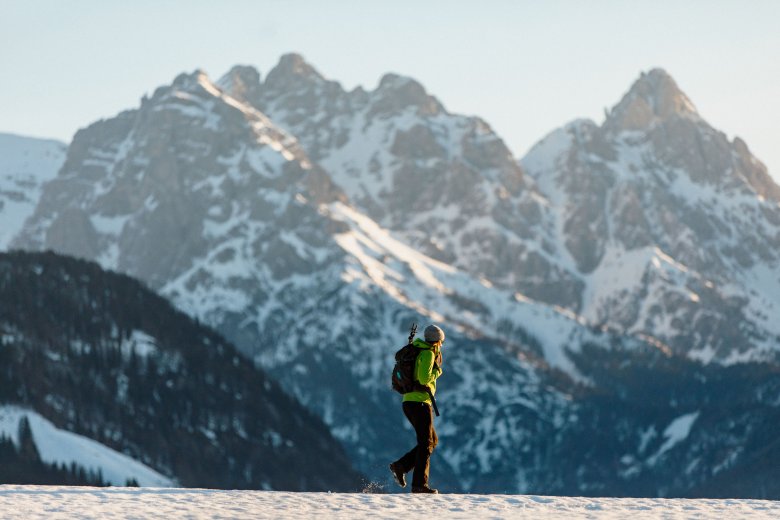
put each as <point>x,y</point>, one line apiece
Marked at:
<point>26,163</point>
<point>674,228</point>
<point>446,294</point>
<point>64,447</point>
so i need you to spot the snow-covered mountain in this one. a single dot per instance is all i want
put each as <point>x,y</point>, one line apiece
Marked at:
<point>674,230</point>
<point>26,163</point>
<point>580,289</point>
<point>445,183</point>
<point>640,225</point>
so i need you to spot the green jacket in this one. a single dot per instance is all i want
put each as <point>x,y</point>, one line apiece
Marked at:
<point>425,371</point>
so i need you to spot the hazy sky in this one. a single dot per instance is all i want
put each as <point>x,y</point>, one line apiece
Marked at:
<point>526,67</point>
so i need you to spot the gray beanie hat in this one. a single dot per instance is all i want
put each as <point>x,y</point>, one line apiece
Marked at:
<point>433,334</point>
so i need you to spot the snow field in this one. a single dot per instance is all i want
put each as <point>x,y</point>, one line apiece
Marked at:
<point>50,502</point>
<point>64,447</point>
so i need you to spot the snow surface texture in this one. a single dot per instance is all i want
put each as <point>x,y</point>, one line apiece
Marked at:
<point>30,502</point>
<point>61,446</point>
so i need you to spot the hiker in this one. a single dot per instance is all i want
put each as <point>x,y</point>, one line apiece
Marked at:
<point>417,409</point>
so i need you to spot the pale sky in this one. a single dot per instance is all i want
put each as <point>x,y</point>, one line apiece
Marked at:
<point>525,67</point>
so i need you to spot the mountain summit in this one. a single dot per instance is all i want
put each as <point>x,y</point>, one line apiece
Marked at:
<point>242,81</point>
<point>293,64</point>
<point>654,96</point>
<point>398,92</point>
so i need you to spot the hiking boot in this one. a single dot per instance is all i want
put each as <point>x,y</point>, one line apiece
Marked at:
<point>425,489</point>
<point>398,475</point>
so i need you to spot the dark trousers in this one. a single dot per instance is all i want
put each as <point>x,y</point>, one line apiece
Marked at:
<point>419,457</point>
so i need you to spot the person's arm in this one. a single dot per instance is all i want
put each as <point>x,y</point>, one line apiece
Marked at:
<point>425,371</point>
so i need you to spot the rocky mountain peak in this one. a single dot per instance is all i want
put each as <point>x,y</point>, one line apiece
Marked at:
<point>186,80</point>
<point>242,82</point>
<point>292,68</point>
<point>397,92</point>
<point>196,82</point>
<point>654,96</point>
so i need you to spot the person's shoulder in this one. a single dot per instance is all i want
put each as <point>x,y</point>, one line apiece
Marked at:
<point>425,355</point>
<point>422,345</point>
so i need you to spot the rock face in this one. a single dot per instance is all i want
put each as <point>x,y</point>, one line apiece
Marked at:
<point>136,190</point>
<point>597,295</point>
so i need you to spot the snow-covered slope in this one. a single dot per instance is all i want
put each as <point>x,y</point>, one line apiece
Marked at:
<point>26,163</point>
<point>34,502</point>
<point>64,447</point>
<point>447,294</point>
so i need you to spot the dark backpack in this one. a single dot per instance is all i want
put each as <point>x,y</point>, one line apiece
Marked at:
<point>403,371</point>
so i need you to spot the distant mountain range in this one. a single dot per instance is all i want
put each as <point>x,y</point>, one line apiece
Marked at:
<point>608,297</point>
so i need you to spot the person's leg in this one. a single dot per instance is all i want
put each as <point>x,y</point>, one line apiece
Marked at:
<point>406,463</point>
<point>433,435</point>
<point>426,441</point>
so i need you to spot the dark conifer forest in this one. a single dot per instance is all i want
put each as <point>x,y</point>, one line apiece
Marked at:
<point>188,405</point>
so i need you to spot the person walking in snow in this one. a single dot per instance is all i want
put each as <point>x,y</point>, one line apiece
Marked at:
<point>417,409</point>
